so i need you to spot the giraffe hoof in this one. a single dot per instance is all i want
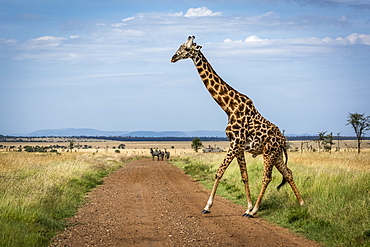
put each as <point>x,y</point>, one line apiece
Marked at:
<point>248,215</point>
<point>206,212</point>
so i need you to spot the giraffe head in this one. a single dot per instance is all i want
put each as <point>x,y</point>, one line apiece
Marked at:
<point>186,50</point>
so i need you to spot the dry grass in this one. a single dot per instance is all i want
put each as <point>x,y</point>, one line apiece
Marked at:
<point>335,188</point>
<point>38,191</point>
<point>176,148</point>
<point>344,161</point>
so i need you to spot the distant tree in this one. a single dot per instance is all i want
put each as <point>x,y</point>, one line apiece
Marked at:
<point>71,145</point>
<point>121,146</point>
<point>325,141</point>
<point>338,135</point>
<point>360,125</point>
<point>320,139</point>
<point>196,144</point>
<point>28,149</point>
<point>31,149</point>
<point>328,142</point>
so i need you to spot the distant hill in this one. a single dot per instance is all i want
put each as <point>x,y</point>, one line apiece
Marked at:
<point>297,135</point>
<point>76,132</point>
<point>151,135</point>
<point>94,132</point>
<point>154,134</point>
<point>197,133</point>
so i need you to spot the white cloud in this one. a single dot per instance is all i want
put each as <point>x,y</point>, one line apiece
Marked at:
<point>271,15</point>
<point>118,24</point>
<point>48,39</point>
<point>118,75</point>
<point>128,19</point>
<point>254,39</point>
<point>356,38</point>
<point>129,37</point>
<point>127,32</point>
<point>256,48</point>
<point>330,3</point>
<point>270,18</point>
<point>201,11</point>
<point>8,41</point>
<point>352,39</point>
<point>176,14</point>
<point>121,24</point>
<point>44,42</point>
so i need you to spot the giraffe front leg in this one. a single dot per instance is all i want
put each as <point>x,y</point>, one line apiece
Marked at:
<point>220,172</point>
<point>207,208</point>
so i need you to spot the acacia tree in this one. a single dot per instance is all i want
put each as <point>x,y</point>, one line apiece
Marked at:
<point>360,124</point>
<point>321,139</point>
<point>196,144</point>
<point>71,144</point>
<point>325,141</point>
<point>328,142</point>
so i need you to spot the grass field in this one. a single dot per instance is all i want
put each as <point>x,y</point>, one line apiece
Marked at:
<point>335,187</point>
<point>142,147</point>
<point>40,190</point>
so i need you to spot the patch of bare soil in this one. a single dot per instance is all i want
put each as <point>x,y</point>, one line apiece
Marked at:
<point>153,203</point>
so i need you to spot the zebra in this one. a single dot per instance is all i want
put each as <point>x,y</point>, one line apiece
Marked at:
<point>157,153</point>
<point>166,154</point>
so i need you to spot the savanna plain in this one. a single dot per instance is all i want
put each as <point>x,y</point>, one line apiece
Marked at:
<point>40,191</point>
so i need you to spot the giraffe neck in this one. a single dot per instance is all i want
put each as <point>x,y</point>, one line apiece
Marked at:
<point>222,93</point>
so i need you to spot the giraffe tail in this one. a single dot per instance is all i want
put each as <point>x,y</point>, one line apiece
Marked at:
<point>286,162</point>
<point>281,184</point>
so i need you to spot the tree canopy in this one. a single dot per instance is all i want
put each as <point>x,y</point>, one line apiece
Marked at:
<point>360,124</point>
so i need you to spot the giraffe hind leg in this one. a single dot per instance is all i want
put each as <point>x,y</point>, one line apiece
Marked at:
<point>267,177</point>
<point>288,177</point>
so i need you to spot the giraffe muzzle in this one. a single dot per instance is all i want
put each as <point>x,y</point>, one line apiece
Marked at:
<point>175,58</point>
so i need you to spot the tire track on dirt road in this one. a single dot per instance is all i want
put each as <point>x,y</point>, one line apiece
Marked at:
<point>153,203</point>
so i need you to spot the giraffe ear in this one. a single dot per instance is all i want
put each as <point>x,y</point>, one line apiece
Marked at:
<point>198,47</point>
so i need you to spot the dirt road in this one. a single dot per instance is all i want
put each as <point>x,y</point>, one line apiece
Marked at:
<point>153,203</point>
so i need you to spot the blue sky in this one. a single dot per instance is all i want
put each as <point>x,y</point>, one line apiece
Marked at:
<point>106,64</point>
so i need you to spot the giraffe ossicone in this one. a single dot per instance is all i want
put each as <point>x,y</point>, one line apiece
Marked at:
<point>247,130</point>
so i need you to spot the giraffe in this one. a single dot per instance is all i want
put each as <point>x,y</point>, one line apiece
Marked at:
<point>247,130</point>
